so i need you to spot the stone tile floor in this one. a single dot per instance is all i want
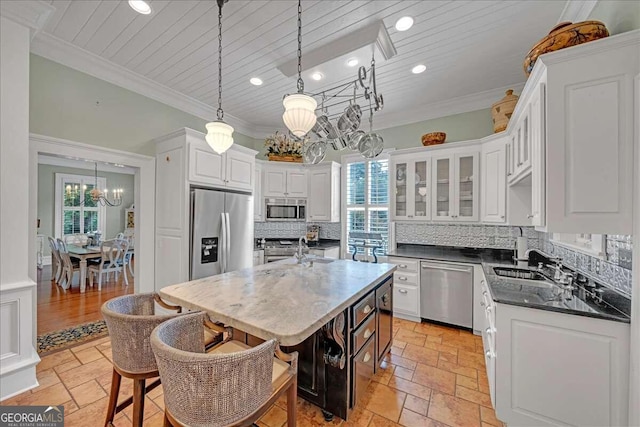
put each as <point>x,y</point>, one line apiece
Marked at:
<point>435,376</point>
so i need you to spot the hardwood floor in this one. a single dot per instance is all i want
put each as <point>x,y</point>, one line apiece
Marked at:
<point>434,377</point>
<point>60,309</point>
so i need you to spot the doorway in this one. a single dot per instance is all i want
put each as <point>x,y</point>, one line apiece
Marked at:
<point>57,166</point>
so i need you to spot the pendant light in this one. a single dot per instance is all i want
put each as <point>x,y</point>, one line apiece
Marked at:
<point>219,134</point>
<point>299,109</point>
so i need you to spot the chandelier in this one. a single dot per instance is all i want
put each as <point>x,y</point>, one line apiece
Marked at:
<point>299,109</point>
<point>219,134</point>
<point>96,195</point>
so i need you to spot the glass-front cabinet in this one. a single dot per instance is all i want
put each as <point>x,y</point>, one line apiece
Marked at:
<point>455,180</point>
<point>410,180</point>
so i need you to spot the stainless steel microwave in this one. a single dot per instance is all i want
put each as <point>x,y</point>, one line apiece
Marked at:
<point>286,210</point>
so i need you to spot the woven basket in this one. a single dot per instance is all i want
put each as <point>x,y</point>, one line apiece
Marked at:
<point>502,110</point>
<point>563,35</point>
<point>433,138</point>
<point>284,158</point>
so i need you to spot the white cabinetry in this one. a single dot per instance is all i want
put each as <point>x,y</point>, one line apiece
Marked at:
<point>520,146</point>
<point>284,181</point>
<point>455,182</point>
<point>493,182</point>
<point>258,200</point>
<point>258,257</point>
<point>555,369</point>
<point>406,288</point>
<point>183,159</point>
<point>233,169</point>
<point>411,187</point>
<point>324,193</point>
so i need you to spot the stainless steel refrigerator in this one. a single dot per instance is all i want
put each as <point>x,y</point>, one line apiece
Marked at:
<point>221,232</point>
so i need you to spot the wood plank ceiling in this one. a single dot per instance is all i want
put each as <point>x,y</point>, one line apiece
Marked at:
<point>467,46</point>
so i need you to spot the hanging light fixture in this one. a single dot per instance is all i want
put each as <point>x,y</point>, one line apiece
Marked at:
<point>299,109</point>
<point>219,134</point>
<point>97,196</point>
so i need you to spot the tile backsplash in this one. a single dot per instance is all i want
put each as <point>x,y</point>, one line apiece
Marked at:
<point>465,235</point>
<point>614,272</point>
<point>274,230</point>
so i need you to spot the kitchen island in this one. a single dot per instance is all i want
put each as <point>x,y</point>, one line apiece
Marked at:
<point>336,314</point>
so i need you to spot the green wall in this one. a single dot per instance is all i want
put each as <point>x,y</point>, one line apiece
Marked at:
<point>619,16</point>
<point>46,199</point>
<point>65,103</point>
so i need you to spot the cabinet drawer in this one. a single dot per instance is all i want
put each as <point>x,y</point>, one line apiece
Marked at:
<point>405,278</point>
<point>362,309</point>
<point>362,368</point>
<point>404,264</point>
<point>363,333</point>
<point>406,299</point>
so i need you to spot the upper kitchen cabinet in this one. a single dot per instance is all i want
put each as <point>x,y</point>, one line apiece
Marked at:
<point>520,146</point>
<point>493,183</point>
<point>284,181</point>
<point>586,134</point>
<point>411,187</point>
<point>324,190</point>
<point>234,169</point>
<point>455,181</point>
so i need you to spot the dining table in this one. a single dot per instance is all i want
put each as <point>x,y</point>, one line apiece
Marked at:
<point>84,253</point>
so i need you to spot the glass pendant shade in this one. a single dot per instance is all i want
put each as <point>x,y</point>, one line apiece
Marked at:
<point>219,136</point>
<point>299,113</point>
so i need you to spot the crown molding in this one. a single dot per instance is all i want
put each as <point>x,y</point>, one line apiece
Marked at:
<point>31,14</point>
<point>65,53</point>
<point>577,10</point>
<point>462,104</point>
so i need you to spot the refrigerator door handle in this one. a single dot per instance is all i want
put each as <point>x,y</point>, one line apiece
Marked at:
<point>227,254</point>
<point>223,243</point>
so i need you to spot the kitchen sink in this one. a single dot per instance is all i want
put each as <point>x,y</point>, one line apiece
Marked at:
<point>322,260</point>
<point>518,273</point>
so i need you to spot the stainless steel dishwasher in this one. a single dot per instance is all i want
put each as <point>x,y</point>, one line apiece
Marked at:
<point>446,293</point>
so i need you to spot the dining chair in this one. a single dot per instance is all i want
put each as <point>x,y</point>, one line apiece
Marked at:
<point>231,385</point>
<point>69,266</point>
<point>111,261</point>
<point>129,255</point>
<point>56,262</point>
<point>130,320</point>
<point>77,239</point>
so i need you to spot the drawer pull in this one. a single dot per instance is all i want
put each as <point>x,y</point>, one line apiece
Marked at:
<point>402,265</point>
<point>402,278</point>
<point>489,354</point>
<point>489,331</point>
<point>402,291</point>
<point>366,309</point>
<point>482,303</point>
<point>488,309</point>
<point>484,292</point>
<point>367,357</point>
<point>367,334</point>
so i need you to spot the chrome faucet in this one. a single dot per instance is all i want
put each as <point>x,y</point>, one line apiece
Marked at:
<point>300,254</point>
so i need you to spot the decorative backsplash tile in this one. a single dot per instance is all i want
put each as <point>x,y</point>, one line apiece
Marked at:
<point>614,272</point>
<point>476,235</point>
<point>274,230</point>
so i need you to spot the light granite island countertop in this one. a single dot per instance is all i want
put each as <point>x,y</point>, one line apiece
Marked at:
<point>281,300</point>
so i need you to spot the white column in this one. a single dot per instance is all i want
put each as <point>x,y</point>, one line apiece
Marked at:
<point>18,356</point>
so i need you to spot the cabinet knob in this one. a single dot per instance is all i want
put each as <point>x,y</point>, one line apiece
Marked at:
<point>366,309</point>
<point>489,354</point>
<point>402,291</point>
<point>366,357</point>
<point>501,216</point>
<point>404,279</point>
<point>482,304</point>
<point>367,334</point>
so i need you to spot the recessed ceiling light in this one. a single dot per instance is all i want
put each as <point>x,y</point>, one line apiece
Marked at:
<point>352,62</point>
<point>317,76</point>
<point>140,6</point>
<point>404,23</point>
<point>255,81</point>
<point>418,69</point>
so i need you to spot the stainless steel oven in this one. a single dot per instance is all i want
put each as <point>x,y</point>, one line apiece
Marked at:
<point>286,209</point>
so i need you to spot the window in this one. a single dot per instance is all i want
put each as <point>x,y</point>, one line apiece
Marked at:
<point>592,244</point>
<point>71,216</point>
<point>366,197</point>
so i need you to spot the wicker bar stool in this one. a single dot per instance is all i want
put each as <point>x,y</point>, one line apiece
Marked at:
<point>232,385</point>
<point>130,320</point>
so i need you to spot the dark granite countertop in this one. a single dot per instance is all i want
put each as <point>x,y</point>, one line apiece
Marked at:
<point>525,293</point>
<point>320,244</point>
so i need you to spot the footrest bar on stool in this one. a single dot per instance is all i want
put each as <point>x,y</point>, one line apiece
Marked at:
<point>129,400</point>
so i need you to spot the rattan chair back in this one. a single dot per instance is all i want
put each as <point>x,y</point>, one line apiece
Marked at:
<point>204,389</point>
<point>130,320</point>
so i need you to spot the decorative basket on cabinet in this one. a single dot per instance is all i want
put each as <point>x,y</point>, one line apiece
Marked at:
<point>433,138</point>
<point>502,110</point>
